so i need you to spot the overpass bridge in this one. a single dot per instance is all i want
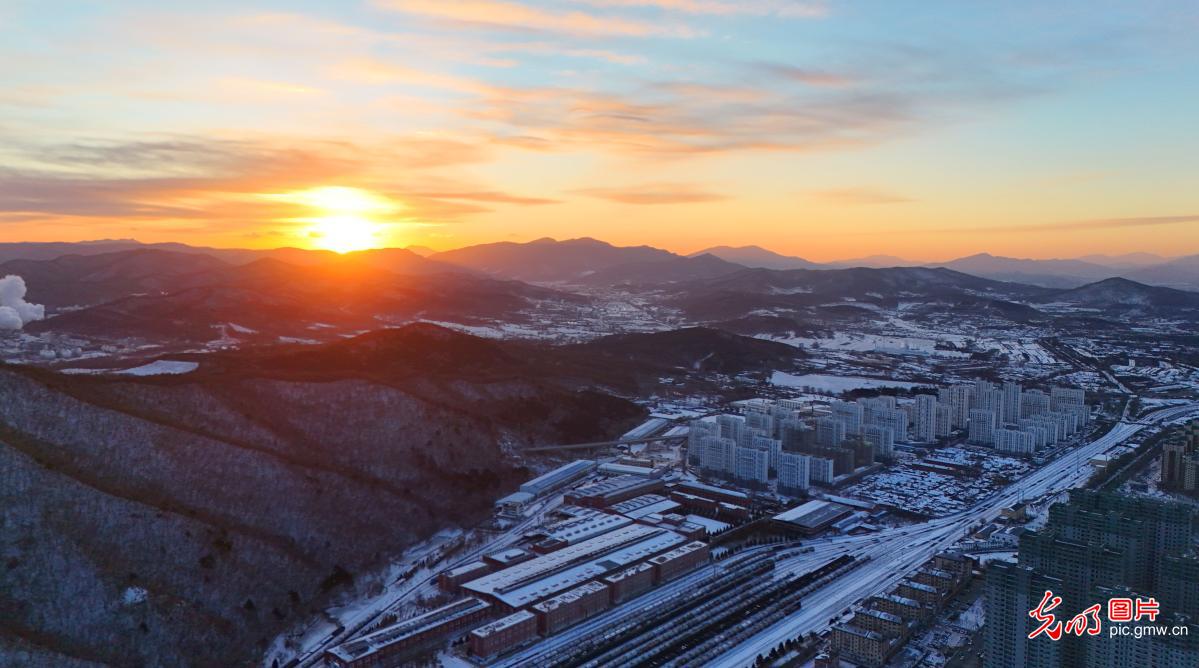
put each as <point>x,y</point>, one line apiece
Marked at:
<point>601,444</point>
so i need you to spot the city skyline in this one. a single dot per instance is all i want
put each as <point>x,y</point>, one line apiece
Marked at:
<point>809,128</point>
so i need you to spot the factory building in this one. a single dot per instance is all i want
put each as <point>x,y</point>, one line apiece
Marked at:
<point>630,583</point>
<point>672,564</point>
<point>626,469</point>
<point>572,607</point>
<point>383,647</point>
<point>506,558</point>
<point>676,523</point>
<point>713,492</point>
<point>646,504</point>
<point>613,490</point>
<point>560,476</point>
<point>551,574</point>
<point>503,634</point>
<point>514,504</point>
<point>812,517</point>
<point>450,580</point>
<point>585,526</point>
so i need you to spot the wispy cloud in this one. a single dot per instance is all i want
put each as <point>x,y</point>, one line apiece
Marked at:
<point>804,75</point>
<point>786,8</point>
<point>487,196</point>
<point>656,193</point>
<point>522,17</point>
<point>217,181</point>
<point>1091,224</point>
<point>859,195</point>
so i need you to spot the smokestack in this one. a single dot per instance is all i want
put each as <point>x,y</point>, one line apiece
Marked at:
<point>15,312</point>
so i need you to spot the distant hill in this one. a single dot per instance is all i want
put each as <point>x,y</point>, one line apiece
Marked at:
<point>36,250</point>
<point>399,260</point>
<point>1116,295</point>
<point>1126,260</point>
<point>655,272</point>
<point>873,262</point>
<point>80,280</point>
<point>693,349</point>
<point>1048,273</point>
<point>549,260</point>
<point>267,298</point>
<point>1019,313</point>
<point>800,292</point>
<point>1182,272</point>
<point>629,364</point>
<point>758,257</point>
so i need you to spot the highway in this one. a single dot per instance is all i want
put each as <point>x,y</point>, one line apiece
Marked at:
<point>895,553</point>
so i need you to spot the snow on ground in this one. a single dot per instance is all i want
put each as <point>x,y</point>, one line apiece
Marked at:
<point>973,617</point>
<point>936,494</point>
<point>162,368</point>
<point>293,339</point>
<point>495,331</point>
<point>895,345</point>
<point>133,595</point>
<point>834,384</point>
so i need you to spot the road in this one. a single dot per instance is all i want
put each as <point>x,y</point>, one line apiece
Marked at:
<point>895,553</point>
<point>602,444</point>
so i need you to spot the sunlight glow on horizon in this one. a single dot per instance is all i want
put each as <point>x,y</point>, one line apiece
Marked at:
<point>347,220</point>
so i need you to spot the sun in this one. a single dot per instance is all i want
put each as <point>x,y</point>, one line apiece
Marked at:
<point>346,219</point>
<point>344,234</point>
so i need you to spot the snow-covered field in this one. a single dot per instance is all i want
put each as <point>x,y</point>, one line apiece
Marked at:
<point>162,368</point>
<point>855,342</point>
<point>818,382</point>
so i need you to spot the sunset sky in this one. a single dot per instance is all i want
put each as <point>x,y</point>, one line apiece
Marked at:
<point>823,129</point>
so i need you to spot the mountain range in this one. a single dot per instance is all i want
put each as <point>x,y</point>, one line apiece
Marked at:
<point>1147,268</point>
<point>195,297</point>
<point>594,262</point>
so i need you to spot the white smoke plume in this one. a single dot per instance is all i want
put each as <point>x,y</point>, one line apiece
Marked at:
<point>15,312</point>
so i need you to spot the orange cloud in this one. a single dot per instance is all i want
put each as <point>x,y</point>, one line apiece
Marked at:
<point>659,193</point>
<point>859,196</point>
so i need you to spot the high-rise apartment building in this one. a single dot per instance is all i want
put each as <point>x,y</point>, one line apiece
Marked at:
<point>925,418</point>
<point>1091,549</point>
<point>794,473</point>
